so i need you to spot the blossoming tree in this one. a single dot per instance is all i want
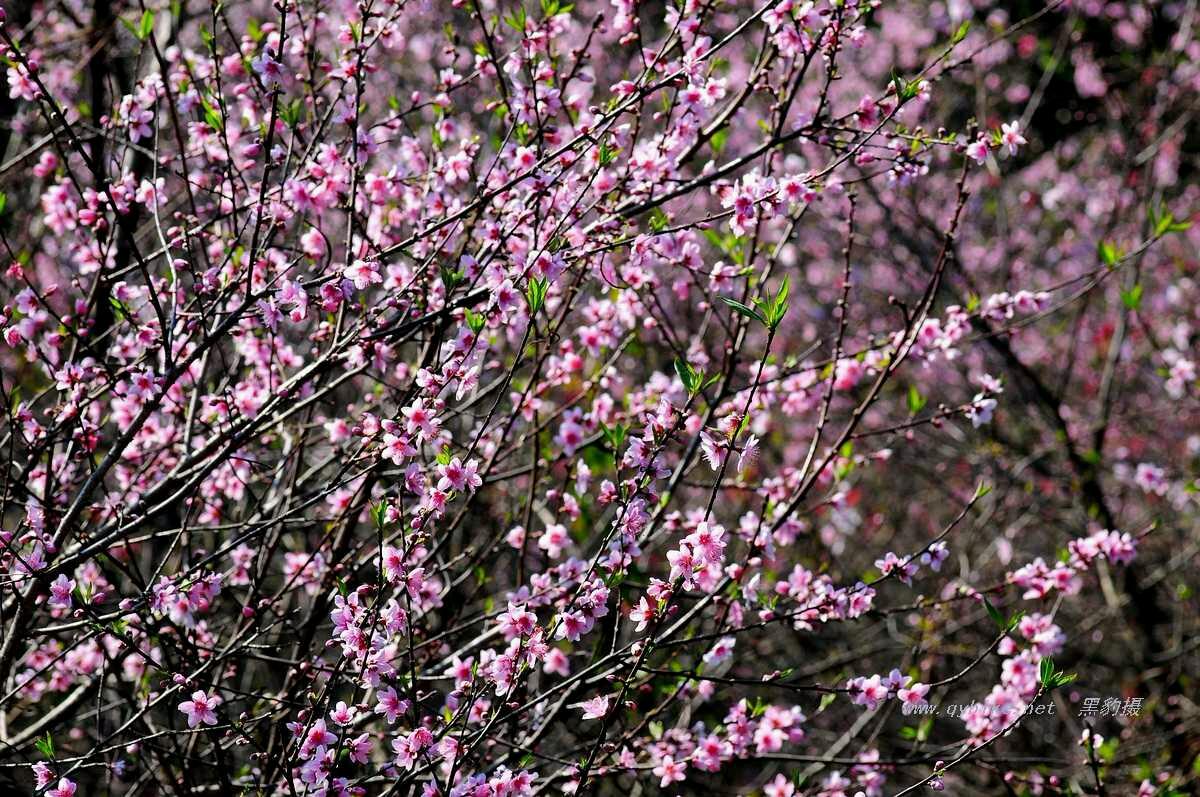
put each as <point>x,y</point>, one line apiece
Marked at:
<point>499,397</point>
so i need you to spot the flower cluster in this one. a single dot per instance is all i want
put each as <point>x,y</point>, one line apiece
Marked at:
<point>488,398</point>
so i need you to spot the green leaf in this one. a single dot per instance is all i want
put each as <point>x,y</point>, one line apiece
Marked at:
<point>1132,298</point>
<point>718,140</point>
<point>1160,221</point>
<point>1110,255</point>
<point>689,376</point>
<point>983,489</point>
<point>1046,672</point>
<point>290,113</point>
<point>781,297</point>
<point>3,201</point>
<point>45,745</point>
<point>535,295</point>
<point>961,33</point>
<point>905,89</point>
<point>516,20</point>
<point>775,308</point>
<point>450,278</point>
<point>916,402</point>
<point>1062,679</point>
<point>146,25</point>
<point>995,614</point>
<point>1163,222</point>
<point>211,117</point>
<point>742,309</point>
<point>615,435</point>
<point>118,308</point>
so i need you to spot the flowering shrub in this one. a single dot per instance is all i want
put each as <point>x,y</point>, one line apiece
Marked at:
<point>490,397</point>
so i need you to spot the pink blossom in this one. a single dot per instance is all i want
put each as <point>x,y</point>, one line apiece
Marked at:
<point>1010,136</point>
<point>595,708</point>
<point>391,705</point>
<point>978,150</point>
<point>201,708</point>
<point>65,788</point>
<point>670,771</point>
<point>60,592</point>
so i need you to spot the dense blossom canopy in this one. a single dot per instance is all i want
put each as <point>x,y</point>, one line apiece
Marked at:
<point>497,397</point>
